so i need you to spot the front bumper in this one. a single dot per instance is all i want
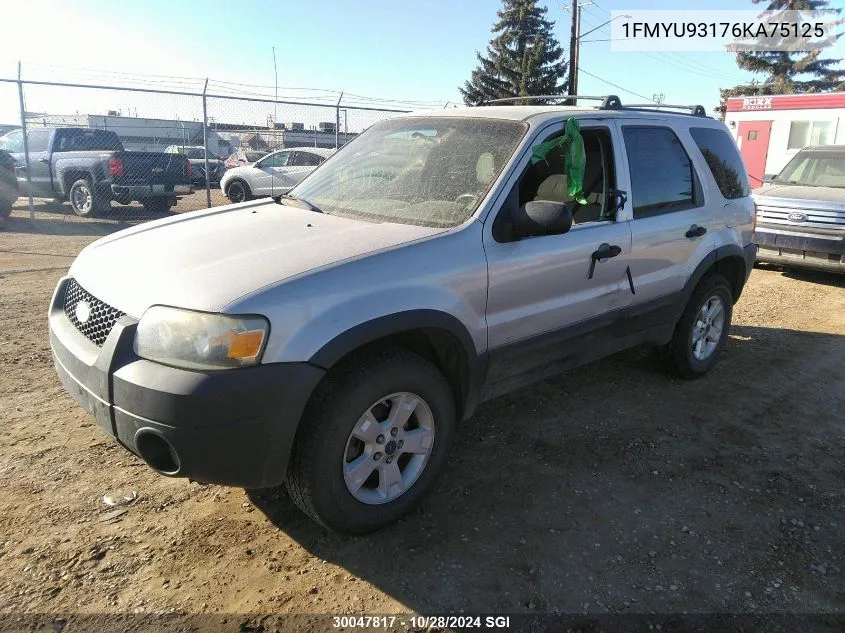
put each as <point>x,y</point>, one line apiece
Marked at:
<point>137,192</point>
<point>232,427</point>
<point>820,251</point>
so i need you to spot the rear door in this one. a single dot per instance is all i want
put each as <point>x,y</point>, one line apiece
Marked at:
<point>301,164</point>
<point>670,221</point>
<point>754,144</point>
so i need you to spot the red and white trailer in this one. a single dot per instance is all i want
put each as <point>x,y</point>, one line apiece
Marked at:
<point>770,129</point>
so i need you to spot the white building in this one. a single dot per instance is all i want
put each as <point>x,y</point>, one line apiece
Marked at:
<point>139,134</point>
<point>771,129</point>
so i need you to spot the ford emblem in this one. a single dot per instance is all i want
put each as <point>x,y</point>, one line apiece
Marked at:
<point>83,311</point>
<point>796,217</point>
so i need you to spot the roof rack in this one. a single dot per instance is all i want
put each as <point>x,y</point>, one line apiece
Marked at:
<point>608,102</point>
<point>695,110</point>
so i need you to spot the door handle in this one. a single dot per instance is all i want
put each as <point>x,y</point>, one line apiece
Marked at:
<point>43,160</point>
<point>604,251</point>
<point>695,231</point>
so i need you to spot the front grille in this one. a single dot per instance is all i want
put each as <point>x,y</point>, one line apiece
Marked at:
<point>808,218</point>
<point>102,316</point>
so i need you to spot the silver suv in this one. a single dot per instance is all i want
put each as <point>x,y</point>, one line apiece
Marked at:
<point>801,212</point>
<point>334,340</point>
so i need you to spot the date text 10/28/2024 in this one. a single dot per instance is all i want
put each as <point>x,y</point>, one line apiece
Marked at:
<point>421,621</point>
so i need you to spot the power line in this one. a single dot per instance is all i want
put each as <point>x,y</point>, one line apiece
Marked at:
<point>671,58</point>
<point>610,83</point>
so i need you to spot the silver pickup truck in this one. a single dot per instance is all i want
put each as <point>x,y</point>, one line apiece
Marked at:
<point>801,212</point>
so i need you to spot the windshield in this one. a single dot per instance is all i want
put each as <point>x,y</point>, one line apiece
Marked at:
<point>430,171</point>
<point>815,169</point>
<point>254,156</point>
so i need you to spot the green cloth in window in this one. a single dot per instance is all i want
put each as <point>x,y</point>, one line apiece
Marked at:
<point>572,146</point>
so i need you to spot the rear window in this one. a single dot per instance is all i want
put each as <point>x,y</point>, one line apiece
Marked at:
<point>723,159</point>
<point>661,171</point>
<point>88,141</point>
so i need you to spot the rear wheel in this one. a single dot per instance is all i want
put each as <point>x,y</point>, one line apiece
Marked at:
<point>85,200</point>
<point>703,328</point>
<point>238,191</point>
<point>373,443</point>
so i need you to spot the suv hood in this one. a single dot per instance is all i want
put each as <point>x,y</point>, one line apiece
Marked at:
<point>205,260</point>
<point>810,197</point>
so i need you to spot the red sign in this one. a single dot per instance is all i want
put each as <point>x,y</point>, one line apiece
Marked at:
<point>787,102</point>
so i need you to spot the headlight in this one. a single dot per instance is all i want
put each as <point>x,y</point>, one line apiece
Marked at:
<point>200,340</point>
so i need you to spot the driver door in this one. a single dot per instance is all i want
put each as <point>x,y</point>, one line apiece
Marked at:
<point>544,308</point>
<point>265,171</point>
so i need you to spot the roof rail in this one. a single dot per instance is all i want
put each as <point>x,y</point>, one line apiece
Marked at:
<point>609,102</point>
<point>695,110</point>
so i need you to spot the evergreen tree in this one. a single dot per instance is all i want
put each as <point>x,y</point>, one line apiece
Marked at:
<point>524,58</point>
<point>782,68</point>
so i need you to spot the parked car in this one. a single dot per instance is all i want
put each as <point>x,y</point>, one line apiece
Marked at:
<point>274,175</point>
<point>801,212</point>
<point>196,155</point>
<point>243,157</point>
<point>8,186</point>
<point>90,168</point>
<point>431,265</point>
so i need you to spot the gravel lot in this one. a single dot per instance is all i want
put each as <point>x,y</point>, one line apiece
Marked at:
<point>613,488</point>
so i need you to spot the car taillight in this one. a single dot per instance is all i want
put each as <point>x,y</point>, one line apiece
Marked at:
<point>115,167</point>
<point>187,169</point>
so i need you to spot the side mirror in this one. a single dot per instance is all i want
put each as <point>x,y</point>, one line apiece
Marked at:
<point>542,217</point>
<point>767,178</point>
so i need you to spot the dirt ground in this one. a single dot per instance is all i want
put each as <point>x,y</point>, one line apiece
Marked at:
<point>613,488</point>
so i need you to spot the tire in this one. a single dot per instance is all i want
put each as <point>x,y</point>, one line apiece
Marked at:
<point>693,357</point>
<point>325,447</point>
<point>238,191</point>
<point>157,205</point>
<point>85,200</point>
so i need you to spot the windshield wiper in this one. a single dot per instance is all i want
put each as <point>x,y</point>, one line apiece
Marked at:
<point>301,203</point>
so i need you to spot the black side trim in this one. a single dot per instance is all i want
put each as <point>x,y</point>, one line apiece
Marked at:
<point>526,361</point>
<point>408,321</point>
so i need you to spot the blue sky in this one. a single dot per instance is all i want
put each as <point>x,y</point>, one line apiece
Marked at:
<point>415,51</point>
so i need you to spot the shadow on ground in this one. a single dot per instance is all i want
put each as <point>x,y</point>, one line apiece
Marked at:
<point>616,487</point>
<point>808,275</point>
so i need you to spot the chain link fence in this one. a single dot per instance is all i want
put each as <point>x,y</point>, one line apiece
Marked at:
<point>134,154</point>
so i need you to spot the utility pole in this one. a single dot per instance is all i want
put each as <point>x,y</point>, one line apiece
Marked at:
<point>573,49</point>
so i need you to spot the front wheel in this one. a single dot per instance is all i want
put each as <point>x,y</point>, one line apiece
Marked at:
<point>238,191</point>
<point>373,443</point>
<point>703,328</point>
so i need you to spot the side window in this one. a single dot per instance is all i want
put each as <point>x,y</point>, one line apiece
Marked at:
<point>547,180</point>
<point>662,177</point>
<point>276,160</point>
<point>38,140</point>
<point>723,159</point>
<point>305,159</point>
